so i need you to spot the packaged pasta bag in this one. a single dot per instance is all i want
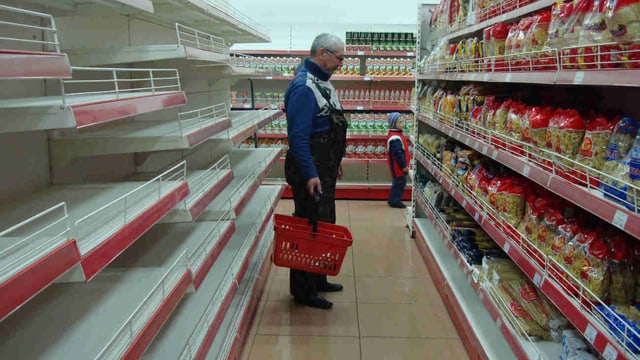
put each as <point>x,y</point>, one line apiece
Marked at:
<point>514,202</point>
<point>538,121</point>
<point>594,272</point>
<point>621,141</point>
<point>527,326</point>
<point>623,20</point>
<point>543,312</point>
<point>500,123</point>
<point>623,281</point>
<point>594,32</point>
<point>534,44</point>
<point>510,45</point>
<point>566,232</point>
<point>540,206</point>
<point>549,229</point>
<point>520,62</point>
<point>514,127</point>
<point>572,29</point>
<point>624,184</point>
<point>570,135</point>
<point>593,149</point>
<point>499,34</point>
<point>576,250</point>
<point>553,131</point>
<point>560,13</point>
<point>629,55</point>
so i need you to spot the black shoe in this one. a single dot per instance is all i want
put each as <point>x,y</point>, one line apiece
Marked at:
<point>330,287</point>
<point>317,302</point>
<point>398,205</point>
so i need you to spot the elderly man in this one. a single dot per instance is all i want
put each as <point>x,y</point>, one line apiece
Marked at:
<point>317,132</point>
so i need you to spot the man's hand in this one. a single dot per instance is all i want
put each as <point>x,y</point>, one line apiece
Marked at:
<point>406,169</point>
<point>340,172</point>
<point>313,186</point>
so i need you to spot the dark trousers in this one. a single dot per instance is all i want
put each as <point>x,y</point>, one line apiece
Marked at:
<point>303,284</point>
<point>397,189</point>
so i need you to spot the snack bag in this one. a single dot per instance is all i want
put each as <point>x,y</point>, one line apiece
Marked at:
<point>623,20</point>
<point>514,203</point>
<point>514,126</point>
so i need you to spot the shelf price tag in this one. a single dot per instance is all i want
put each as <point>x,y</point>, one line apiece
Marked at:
<point>457,136</point>
<point>269,77</point>
<point>507,247</point>
<point>620,219</point>
<point>590,333</point>
<point>494,155</point>
<point>360,52</point>
<point>464,203</point>
<point>476,216</point>
<point>610,353</point>
<point>247,106</point>
<point>485,148</point>
<point>410,53</point>
<point>526,170</point>
<point>485,78</point>
<point>499,323</point>
<point>359,107</point>
<point>537,279</point>
<point>578,78</point>
<point>508,77</point>
<point>367,78</point>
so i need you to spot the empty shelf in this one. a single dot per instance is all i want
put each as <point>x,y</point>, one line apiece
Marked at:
<point>202,240</point>
<point>109,99</point>
<point>204,186</point>
<point>114,316</point>
<point>191,44</point>
<point>246,123</point>
<point>189,130</point>
<point>229,340</point>
<point>122,6</point>
<point>33,254</point>
<point>25,58</point>
<point>104,218</point>
<point>212,16</point>
<point>195,322</point>
<point>250,167</point>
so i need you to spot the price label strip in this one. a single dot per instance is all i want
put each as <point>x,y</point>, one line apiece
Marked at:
<point>610,353</point>
<point>620,219</point>
<point>507,247</point>
<point>590,333</point>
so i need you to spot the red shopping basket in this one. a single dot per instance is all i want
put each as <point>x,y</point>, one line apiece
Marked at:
<point>299,247</point>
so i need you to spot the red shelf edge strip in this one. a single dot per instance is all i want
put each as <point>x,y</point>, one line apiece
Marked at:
<point>211,258</point>
<point>36,277</point>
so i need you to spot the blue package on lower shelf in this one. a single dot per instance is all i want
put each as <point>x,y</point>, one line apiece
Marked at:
<point>626,330</point>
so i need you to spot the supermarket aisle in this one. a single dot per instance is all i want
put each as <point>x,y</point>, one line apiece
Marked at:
<point>389,309</point>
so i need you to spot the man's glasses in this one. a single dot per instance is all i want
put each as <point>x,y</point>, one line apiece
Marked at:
<point>340,58</point>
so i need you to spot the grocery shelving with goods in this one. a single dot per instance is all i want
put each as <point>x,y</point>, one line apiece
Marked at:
<point>555,170</point>
<point>104,187</point>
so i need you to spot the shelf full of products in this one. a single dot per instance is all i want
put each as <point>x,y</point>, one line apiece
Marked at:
<point>583,42</point>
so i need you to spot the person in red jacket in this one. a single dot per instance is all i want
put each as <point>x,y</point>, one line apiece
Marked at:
<point>398,159</point>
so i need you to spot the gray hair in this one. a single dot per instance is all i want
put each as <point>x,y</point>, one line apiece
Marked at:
<point>326,41</point>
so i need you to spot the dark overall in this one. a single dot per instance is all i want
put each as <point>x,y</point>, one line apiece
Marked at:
<point>327,150</point>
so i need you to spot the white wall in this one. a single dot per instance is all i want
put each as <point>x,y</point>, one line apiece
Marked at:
<point>293,24</point>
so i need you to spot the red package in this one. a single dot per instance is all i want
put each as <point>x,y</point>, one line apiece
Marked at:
<point>630,56</point>
<point>560,13</point>
<point>553,131</point>
<point>570,135</point>
<point>549,229</point>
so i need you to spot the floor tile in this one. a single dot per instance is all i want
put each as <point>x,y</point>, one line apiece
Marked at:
<point>383,258</point>
<point>280,289</point>
<point>246,348</point>
<point>412,349</point>
<point>288,318</point>
<point>364,230</point>
<point>267,347</point>
<point>404,320</point>
<point>390,290</point>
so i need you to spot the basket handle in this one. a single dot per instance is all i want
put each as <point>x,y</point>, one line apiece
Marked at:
<point>313,218</point>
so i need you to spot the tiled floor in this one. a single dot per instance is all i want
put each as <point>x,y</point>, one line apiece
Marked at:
<point>389,309</point>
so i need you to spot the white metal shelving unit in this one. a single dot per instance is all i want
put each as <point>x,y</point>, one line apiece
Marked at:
<point>585,318</point>
<point>94,96</point>
<point>190,129</point>
<point>117,268</point>
<point>191,44</point>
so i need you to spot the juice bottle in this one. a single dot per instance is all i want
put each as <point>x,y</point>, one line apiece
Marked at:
<point>370,150</point>
<point>371,123</point>
<point>351,149</point>
<point>387,97</point>
<point>375,41</point>
<point>394,41</point>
